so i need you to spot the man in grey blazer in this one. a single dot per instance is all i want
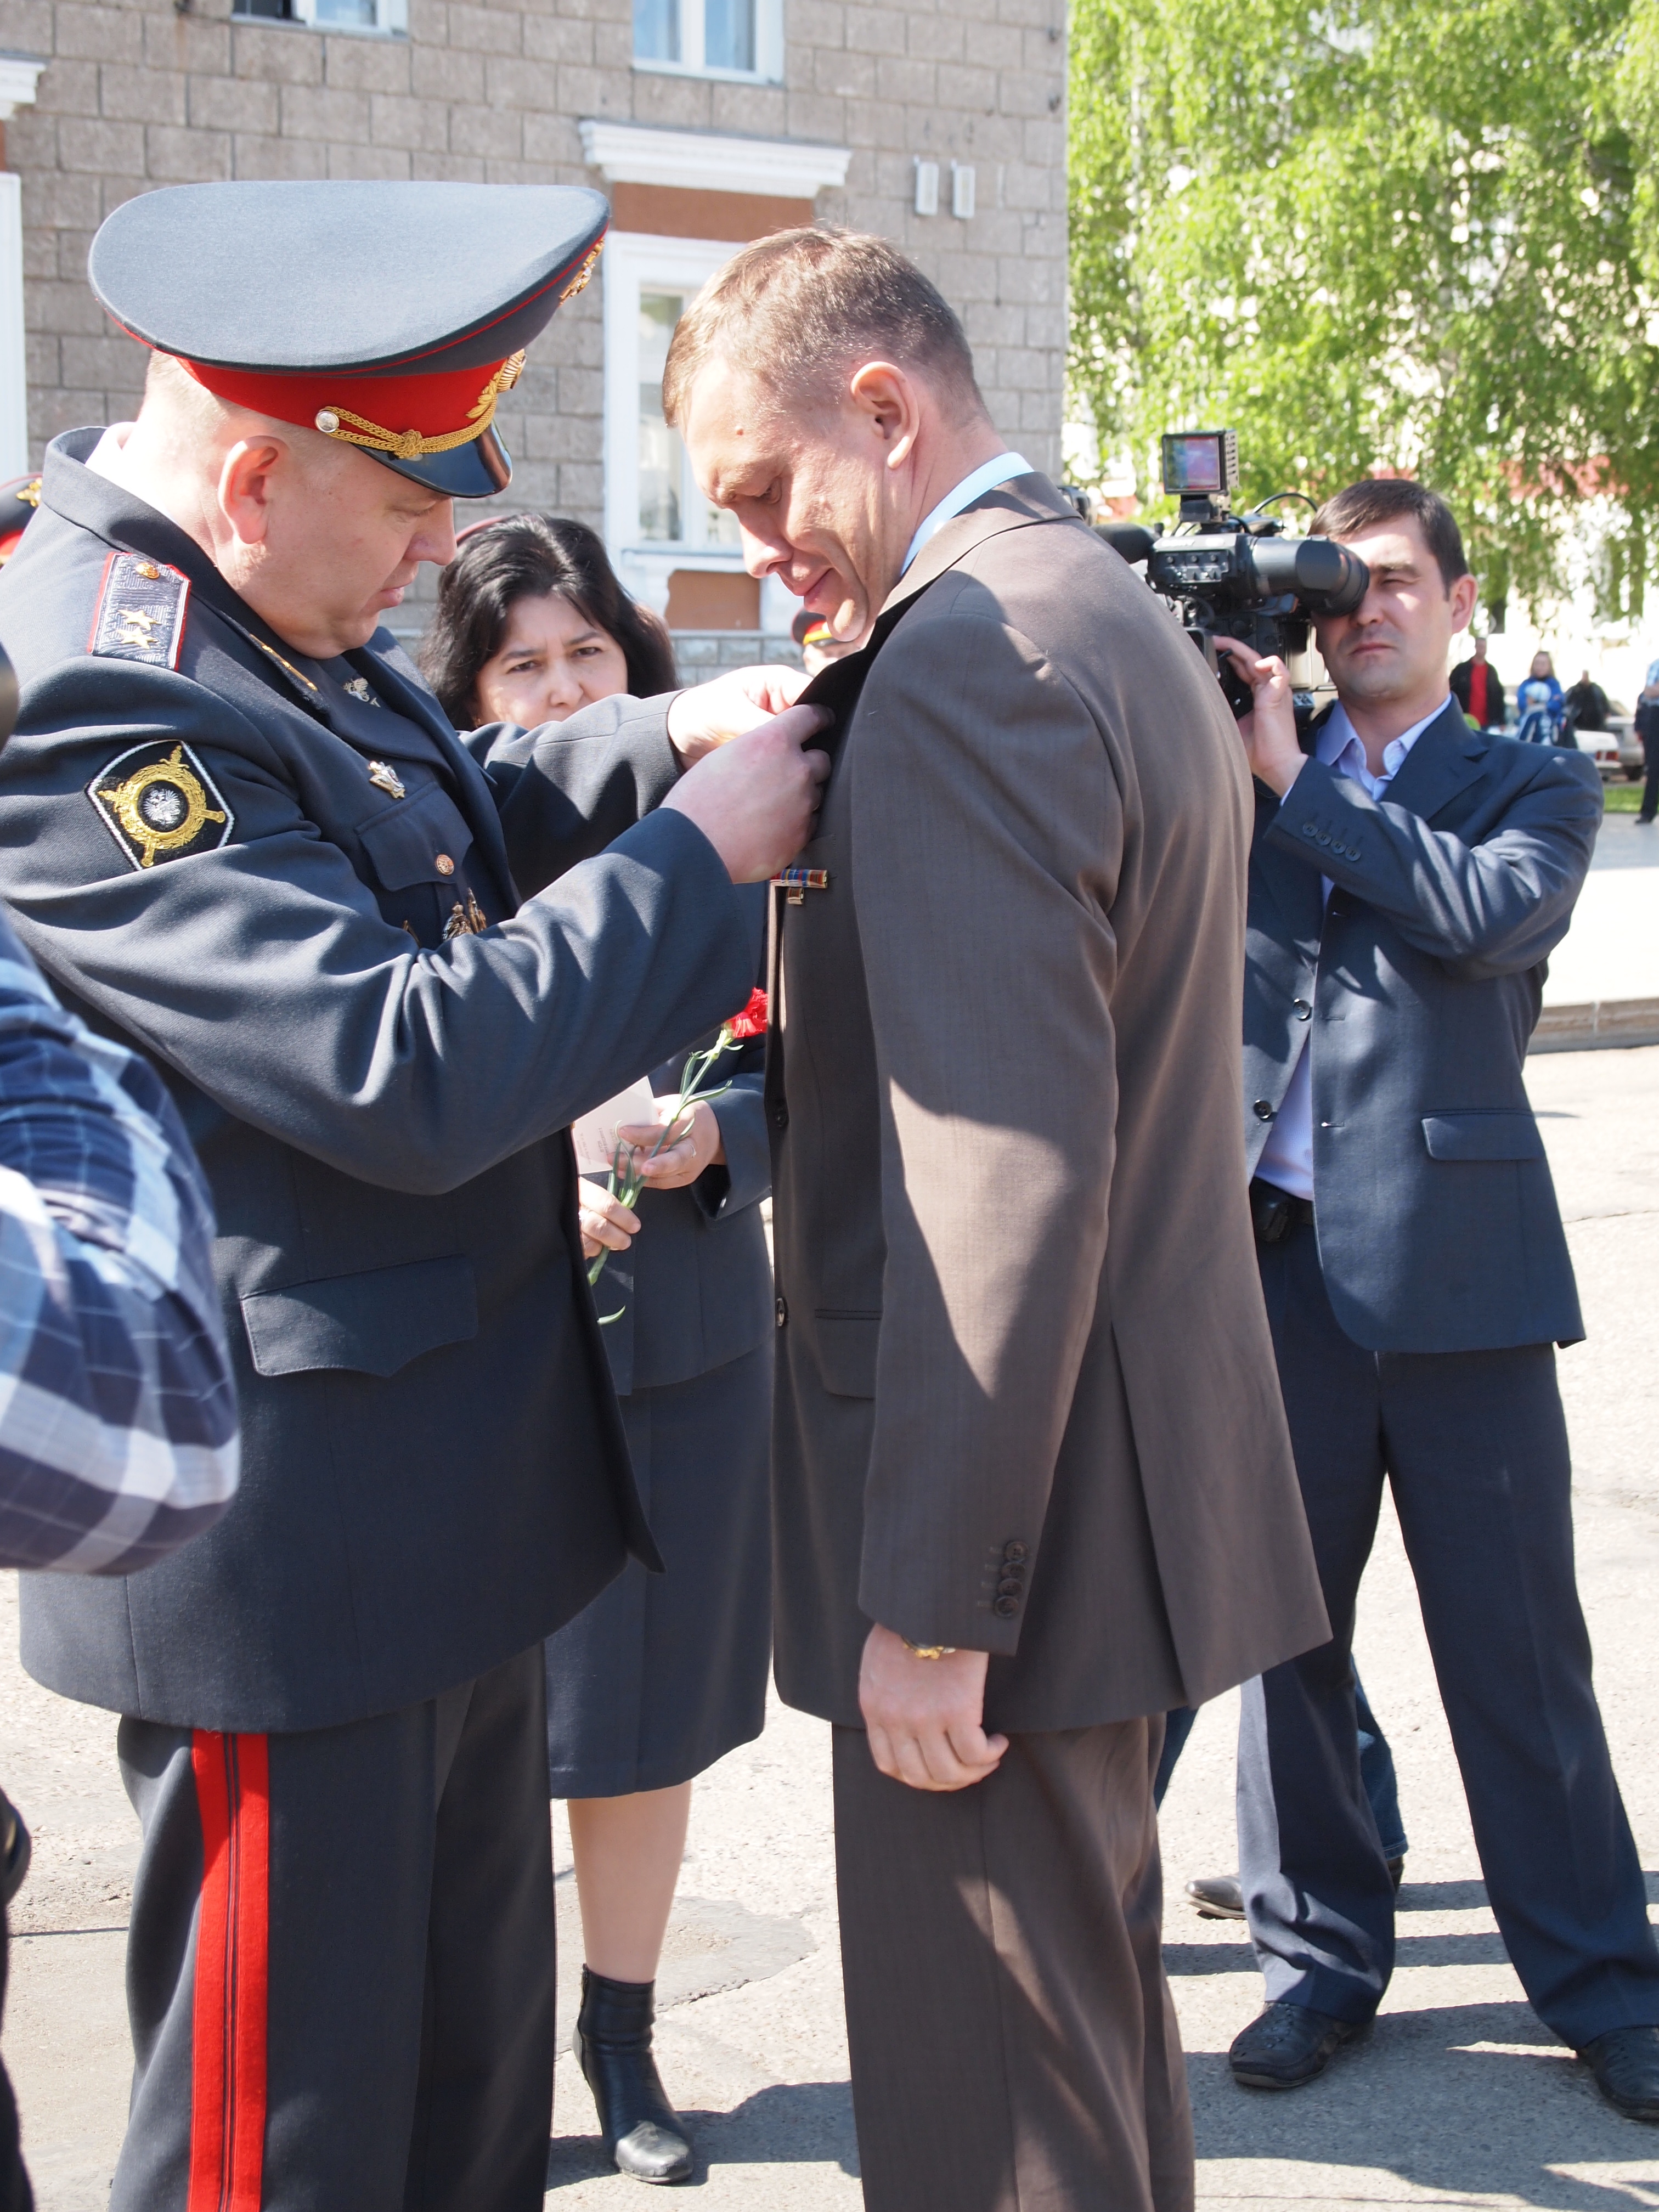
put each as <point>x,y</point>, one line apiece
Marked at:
<point>1030,1471</point>
<point>1408,880</point>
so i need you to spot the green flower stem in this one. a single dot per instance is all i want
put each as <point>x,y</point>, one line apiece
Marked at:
<point>626,1179</point>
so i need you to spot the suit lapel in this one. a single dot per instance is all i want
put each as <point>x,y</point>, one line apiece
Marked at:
<point>1447,755</point>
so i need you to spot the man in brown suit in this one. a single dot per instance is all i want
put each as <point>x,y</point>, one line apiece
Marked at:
<point>1032,1473</point>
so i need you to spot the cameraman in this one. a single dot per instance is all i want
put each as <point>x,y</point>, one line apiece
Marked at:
<point>1408,879</point>
<point>117,1417</point>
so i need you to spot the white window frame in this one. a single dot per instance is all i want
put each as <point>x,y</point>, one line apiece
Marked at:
<point>768,47</point>
<point>390,20</point>
<point>637,261</point>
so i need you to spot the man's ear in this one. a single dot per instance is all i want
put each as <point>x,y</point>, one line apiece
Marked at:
<point>888,398</point>
<point>1463,594</point>
<point>246,486</point>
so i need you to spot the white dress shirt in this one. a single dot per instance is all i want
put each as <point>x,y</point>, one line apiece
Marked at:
<point>986,478</point>
<point>1287,1156</point>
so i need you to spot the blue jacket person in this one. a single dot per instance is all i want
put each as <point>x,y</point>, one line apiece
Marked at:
<point>1408,884</point>
<point>239,831</point>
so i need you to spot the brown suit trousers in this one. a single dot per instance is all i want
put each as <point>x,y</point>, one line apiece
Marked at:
<point>1014,2043</point>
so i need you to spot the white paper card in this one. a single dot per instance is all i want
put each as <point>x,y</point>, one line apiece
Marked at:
<point>595,1134</point>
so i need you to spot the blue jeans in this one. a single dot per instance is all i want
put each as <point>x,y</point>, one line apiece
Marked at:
<point>1376,1767</point>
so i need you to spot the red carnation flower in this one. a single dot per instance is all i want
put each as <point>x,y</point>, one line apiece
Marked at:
<point>751,1022</point>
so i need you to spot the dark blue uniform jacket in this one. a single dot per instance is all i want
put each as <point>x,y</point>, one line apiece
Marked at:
<point>1417,989</point>
<point>322,915</point>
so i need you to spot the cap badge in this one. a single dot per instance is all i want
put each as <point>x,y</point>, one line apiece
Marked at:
<point>410,445</point>
<point>578,281</point>
<point>385,777</point>
<point>154,801</point>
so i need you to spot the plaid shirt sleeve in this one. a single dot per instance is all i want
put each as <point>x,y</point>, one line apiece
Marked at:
<point>117,1413</point>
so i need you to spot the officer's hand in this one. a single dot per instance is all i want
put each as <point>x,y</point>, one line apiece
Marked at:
<point>754,798</point>
<point>608,1225</point>
<point>927,1717</point>
<point>711,715</point>
<point>1269,730</point>
<point>696,1144</point>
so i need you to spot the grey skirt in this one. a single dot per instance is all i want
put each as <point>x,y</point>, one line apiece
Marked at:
<point>663,1675</point>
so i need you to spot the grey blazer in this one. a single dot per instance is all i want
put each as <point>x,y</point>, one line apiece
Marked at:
<point>694,1290</point>
<point>1025,1390</point>
<point>1437,1224</point>
<point>434,1473</point>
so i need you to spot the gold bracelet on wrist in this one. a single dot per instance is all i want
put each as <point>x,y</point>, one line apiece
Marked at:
<point>928,1651</point>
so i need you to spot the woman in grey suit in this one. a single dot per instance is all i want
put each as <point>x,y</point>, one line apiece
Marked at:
<point>662,1675</point>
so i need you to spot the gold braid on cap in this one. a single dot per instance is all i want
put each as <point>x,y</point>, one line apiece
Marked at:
<point>578,281</point>
<point>410,445</point>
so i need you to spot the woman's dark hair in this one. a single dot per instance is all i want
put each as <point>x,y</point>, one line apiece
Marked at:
<point>527,556</point>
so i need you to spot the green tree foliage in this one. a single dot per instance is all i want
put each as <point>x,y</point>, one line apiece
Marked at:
<point>1381,233</point>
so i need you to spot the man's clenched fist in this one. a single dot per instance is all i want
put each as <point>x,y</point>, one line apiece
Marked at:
<point>754,797</point>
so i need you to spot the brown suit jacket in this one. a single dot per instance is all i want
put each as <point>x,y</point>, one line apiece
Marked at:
<point>1026,1395</point>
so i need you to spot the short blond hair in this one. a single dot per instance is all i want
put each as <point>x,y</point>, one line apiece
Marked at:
<point>803,307</point>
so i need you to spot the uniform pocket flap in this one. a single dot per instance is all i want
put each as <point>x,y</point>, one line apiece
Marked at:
<point>847,1352</point>
<point>406,844</point>
<point>1492,1132</point>
<point>373,1323</point>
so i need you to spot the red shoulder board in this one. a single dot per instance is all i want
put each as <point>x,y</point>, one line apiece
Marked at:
<point>140,611</point>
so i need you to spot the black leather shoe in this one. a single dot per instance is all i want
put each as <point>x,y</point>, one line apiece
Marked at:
<point>1626,2064</point>
<point>612,2044</point>
<point>1216,1897</point>
<point>1288,2044</point>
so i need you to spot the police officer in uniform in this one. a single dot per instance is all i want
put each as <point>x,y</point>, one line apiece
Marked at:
<point>382,968</point>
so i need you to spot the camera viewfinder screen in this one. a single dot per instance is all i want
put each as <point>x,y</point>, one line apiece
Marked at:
<point>1193,462</point>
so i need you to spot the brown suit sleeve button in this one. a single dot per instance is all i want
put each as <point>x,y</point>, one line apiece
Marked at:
<point>1005,1605</point>
<point>1013,1551</point>
<point>1010,1586</point>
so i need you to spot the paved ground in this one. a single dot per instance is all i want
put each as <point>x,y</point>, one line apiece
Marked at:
<point>1459,2098</point>
<point>1612,951</point>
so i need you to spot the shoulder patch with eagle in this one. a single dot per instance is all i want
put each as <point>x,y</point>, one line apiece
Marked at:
<point>158,803</point>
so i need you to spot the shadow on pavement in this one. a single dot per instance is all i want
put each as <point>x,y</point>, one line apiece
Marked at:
<point>788,2124</point>
<point>1476,2100</point>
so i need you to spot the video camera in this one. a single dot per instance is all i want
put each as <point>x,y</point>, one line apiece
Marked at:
<point>1238,576</point>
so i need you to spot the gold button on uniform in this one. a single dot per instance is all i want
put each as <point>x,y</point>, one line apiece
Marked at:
<point>444,865</point>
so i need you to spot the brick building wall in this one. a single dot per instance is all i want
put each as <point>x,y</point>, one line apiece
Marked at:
<point>137,93</point>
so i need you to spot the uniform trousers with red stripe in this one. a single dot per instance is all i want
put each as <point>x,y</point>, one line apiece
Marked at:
<point>340,1969</point>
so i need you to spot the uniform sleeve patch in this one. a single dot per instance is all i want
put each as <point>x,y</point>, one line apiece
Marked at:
<point>158,803</point>
<point>141,611</point>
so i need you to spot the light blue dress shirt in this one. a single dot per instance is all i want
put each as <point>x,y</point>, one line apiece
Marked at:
<point>986,478</point>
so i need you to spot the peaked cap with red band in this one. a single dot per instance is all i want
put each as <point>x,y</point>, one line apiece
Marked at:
<point>389,316</point>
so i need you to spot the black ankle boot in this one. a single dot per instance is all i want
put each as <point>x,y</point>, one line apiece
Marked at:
<point>612,2043</point>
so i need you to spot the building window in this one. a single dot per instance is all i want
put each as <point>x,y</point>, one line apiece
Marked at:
<point>710,38</point>
<point>384,15</point>
<point>657,522</point>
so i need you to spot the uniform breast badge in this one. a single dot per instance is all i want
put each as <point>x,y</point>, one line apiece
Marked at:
<point>385,777</point>
<point>141,611</point>
<point>797,882</point>
<point>358,689</point>
<point>158,803</point>
<point>467,921</point>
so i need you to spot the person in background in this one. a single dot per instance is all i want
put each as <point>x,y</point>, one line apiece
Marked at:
<point>1539,703</point>
<point>1585,708</point>
<point>1476,687</point>
<point>1408,881</point>
<point>819,646</point>
<point>1646,723</point>
<point>661,1675</point>
<point>118,1428</point>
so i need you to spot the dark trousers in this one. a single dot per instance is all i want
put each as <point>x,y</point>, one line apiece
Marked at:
<point>15,2195</point>
<point>340,1969</point>
<point>1475,1447</point>
<point>1651,788</point>
<point>1013,2038</point>
<point>1382,1785</point>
